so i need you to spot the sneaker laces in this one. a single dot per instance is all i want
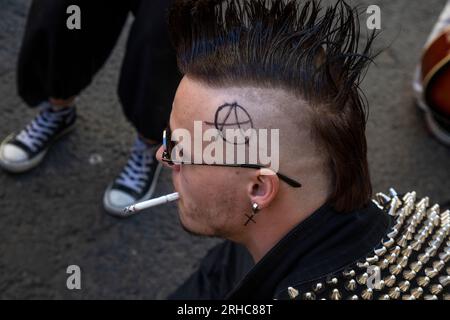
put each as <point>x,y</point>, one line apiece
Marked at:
<point>135,173</point>
<point>42,127</point>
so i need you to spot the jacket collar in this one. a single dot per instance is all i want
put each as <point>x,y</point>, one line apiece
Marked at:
<point>323,243</point>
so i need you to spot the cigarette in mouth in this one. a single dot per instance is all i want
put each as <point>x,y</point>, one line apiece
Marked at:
<point>151,203</point>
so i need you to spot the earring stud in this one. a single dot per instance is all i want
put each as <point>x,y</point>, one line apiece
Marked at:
<point>255,209</point>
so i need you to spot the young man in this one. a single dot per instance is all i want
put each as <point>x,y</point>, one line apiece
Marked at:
<point>302,226</point>
<point>55,65</point>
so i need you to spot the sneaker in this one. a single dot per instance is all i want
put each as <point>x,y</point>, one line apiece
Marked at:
<point>25,150</point>
<point>136,182</point>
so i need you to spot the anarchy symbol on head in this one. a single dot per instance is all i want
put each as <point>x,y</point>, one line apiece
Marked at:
<point>229,116</point>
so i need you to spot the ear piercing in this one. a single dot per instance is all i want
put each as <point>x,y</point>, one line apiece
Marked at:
<point>255,209</point>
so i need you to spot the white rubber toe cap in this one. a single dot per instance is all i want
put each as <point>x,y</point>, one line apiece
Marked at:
<point>12,153</point>
<point>119,199</point>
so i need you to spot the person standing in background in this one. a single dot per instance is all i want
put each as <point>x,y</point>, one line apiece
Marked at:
<point>56,64</point>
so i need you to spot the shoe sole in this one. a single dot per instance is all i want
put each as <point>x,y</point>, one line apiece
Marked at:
<point>119,211</point>
<point>23,166</point>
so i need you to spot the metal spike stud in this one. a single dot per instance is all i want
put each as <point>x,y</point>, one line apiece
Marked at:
<point>335,295</point>
<point>417,292</point>
<point>396,250</point>
<point>403,261</point>
<point>349,273</point>
<point>367,294</point>
<point>318,287</point>
<point>409,274</point>
<point>332,281</point>
<point>403,241</point>
<point>392,257</point>
<point>416,266</point>
<point>431,272</point>
<point>379,285</point>
<point>351,285</point>
<point>309,296</point>
<point>423,281</point>
<point>395,269</point>
<point>444,256</point>
<point>438,265</point>
<point>436,288</point>
<point>444,280</point>
<point>363,265</point>
<point>388,243</point>
<point>381,251</point>
<point>389,280</point>
<point>372,260</point>
<point>404,285</point>
<point>407,251</point>
<point>293,293</point>
<point>384,264</point>
<point>424,258</point>
<point>394,293</point>
<point>362,278</point>
<point>382,199</point>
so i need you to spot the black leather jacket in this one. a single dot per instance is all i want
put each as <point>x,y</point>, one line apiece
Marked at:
<point>327,256</point>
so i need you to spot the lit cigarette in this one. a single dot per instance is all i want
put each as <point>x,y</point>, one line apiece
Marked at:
<point>151,203</point>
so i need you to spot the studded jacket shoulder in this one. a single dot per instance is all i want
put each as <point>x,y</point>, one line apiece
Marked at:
<point>411,262</point>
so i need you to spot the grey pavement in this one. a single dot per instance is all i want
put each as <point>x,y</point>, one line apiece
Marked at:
<point>52,217</point>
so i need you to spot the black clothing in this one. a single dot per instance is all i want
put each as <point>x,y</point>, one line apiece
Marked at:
<point>59,63</point>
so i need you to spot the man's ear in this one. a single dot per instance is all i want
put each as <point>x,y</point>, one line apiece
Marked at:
<point>264,187</point>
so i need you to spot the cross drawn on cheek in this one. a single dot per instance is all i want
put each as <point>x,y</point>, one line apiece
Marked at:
<point>250,218</point>
<point>232,116</point>
<point>255,210</point>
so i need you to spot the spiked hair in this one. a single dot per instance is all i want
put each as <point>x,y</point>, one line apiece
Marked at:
<point>299,46</point>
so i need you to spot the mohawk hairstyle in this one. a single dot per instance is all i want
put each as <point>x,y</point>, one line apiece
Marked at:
<point>295,45</point>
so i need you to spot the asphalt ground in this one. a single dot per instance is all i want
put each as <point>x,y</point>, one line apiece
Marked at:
<point>52,217</point>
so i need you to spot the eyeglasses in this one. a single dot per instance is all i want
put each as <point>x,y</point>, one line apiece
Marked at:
<point>169,145</point>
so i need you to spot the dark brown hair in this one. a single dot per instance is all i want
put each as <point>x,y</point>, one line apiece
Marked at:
<point>296,45</point>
